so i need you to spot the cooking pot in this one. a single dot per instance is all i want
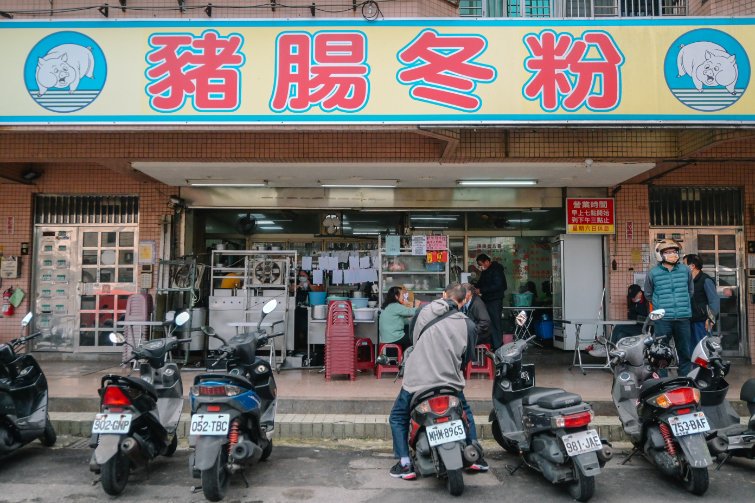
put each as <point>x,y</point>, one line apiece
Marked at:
<point>320,312</point>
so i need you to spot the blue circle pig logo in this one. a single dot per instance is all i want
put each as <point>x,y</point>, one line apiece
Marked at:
<point>65,72</point>
<point>707,70</point>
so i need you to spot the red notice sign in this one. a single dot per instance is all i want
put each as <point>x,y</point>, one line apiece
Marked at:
<point>590,215</point>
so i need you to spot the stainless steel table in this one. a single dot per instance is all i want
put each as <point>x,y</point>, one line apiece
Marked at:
<point>603,341</point>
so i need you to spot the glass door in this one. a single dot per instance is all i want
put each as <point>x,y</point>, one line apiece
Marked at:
<point>719,251</point>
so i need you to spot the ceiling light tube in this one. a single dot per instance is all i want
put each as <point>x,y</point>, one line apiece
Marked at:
<point>355,183</point>
<point>355,186</point>
<point>519,220</point>
<point>435,219</point>
<point>225,183</point>
<point>496,183</point>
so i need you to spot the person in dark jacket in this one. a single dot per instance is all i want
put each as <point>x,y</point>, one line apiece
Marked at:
<point>492,287</point>
<point>704,297</point>
<point>669,286</point>
<point>638,308</point>
<point>475,309</point>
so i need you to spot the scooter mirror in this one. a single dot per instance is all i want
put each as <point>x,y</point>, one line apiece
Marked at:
<point>657,314</point>
<point>521,318</point>
<point>208,330</point>
<point>116,338</point>
<point>182,318</point>
<point>26,319</point>
<point>270,306</point>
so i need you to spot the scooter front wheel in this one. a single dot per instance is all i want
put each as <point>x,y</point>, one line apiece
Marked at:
<point>114,474</point>
<point>49,437</point>
<point>455,482</point>
<point>507,444</point>
<point>215,479</point>
<point>172,446</point>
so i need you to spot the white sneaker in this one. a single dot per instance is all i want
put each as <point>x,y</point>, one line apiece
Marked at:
<point>598,351</point>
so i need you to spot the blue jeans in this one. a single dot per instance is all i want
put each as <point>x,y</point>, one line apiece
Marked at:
<point>681,331</point>
<point>698,333</point>
<point>399,421</point>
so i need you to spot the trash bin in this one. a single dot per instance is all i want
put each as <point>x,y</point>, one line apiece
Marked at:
<point>544,328</point>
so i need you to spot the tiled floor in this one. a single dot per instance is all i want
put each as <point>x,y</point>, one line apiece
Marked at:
<point>72,379</point>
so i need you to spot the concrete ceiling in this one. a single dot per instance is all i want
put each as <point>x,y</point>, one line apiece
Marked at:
<point>415,175</point>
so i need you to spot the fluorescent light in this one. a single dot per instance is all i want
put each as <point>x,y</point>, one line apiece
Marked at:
<point>436,219</point>
<point>519,220</point>
<point>265,222</point>
<point>496,183</point>
<point>271,227</point>
<point>356,183</point>
<point>225,183</point>
<point>430,227</point>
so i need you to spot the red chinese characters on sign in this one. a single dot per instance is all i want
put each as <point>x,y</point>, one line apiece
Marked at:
<point>436,257</point>
<point>587,215</point>
<point>437,242</point>
<point>572,72</point>
<point>327,69</point>
<point>441,69</point>
<point>205,68</point>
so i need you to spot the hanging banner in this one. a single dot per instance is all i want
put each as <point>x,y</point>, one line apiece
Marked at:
<point>590,215</point>
<point>398,71</point>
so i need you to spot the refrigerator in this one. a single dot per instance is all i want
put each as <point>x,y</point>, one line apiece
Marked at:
<point>577,285</point>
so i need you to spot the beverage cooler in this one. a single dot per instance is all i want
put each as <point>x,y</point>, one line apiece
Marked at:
<point>577,285</point>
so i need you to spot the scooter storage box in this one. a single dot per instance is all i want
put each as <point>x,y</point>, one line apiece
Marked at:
<point>714,397</point>
<point>537,418</point>
<point>518,387</point>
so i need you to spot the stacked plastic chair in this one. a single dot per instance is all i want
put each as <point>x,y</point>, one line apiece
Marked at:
<point>339,341</point>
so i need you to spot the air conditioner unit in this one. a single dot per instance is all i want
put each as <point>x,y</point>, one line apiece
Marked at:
<point>268,272</point>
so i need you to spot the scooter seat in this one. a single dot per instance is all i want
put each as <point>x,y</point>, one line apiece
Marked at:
<point>551,398</point>
<point>142,385</point>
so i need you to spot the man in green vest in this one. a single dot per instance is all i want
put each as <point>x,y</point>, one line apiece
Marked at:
<point>669,286</point>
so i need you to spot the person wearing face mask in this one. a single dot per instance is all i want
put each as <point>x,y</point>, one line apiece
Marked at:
<point>491,286</point>
<point>669,286</point>
<point>705,297</point>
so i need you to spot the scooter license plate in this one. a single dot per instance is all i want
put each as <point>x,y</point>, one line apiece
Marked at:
<point>444,433</point>
<point>209,424</point>
<point>111,423</point>
<point>582,442</point>
<point>689,424</point>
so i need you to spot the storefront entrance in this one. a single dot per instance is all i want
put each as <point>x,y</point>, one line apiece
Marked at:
<point>720,251</point>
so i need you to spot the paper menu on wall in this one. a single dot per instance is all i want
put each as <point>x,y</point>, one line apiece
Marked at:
<point>392,245</point>
<point>338,277</point>
<point>306,263</point>
<point>317,276</point>
<point>353,262</point>
<point>419,245</point>
<point>364,262</point>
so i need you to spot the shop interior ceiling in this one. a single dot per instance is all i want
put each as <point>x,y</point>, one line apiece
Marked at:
<point>406,175</point>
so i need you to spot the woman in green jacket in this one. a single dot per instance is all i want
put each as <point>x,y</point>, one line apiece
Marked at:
<point>395,316</point>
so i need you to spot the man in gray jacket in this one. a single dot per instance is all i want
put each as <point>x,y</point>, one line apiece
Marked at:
<point>439,356</point>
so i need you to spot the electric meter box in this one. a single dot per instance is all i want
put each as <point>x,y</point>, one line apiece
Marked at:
<point>10,267</point>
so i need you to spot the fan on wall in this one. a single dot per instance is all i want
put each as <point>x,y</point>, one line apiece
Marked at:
<point>331,224</point>
<point>246,224</point>
<point>268,272</point>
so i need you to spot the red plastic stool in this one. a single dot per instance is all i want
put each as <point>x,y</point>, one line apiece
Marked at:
<point>382,347</point>
<point>482,364</point>
<point>363,363</point>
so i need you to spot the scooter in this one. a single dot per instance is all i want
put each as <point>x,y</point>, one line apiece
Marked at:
<point>139,415</point>
<point>233,413</point>
<point>728,437</point>
<point>438,437</point>
<point>23,397</point>
<point>661,416</point>
<point>548,427</point>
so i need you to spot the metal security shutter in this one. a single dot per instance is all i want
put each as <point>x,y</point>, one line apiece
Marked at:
<point>91,209</point>
<point>695,206</point>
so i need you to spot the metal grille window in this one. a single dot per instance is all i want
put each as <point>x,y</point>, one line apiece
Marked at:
<point>572,8</point>
<point>695,206</point>
<point>70,210</point>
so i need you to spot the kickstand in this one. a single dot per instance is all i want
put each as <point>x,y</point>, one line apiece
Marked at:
<point>723,460</point>
<point>631,455</point>
<point>243,477</point>
<point>512,469</point>
<point>195,489</point>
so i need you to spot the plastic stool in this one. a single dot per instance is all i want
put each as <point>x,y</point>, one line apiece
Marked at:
<point>482,365</point>
<point>382,348</point>
<point>363,364</point>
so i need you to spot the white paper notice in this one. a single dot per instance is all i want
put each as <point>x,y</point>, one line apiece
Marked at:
<point>306,263</point>
<point>364,262</point>
<point>317,276</point>
<point>350,276</point>
<point>337,277</point>
<point>419,245</point>
<point>372,275</point>
<point>353,262</point>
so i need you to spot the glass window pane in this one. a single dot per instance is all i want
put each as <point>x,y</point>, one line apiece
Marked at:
<point>106,320</point>
<point>89,275</point>
<point>106,302</point>
<point>706,242</point>
<point>727,242</point>
<point>125,257</point>
<point>126,239</point>
<point>729,305</point>
<point>122,301</point>
<point>88,302</point>
<point>87,320</point>
<point>103,338</point>
<point>89,257</point>
<point>728,260</point>
<point>90,239</point>
<point>126,275</point>
<point>709,259</point>
<point>86,338</point>
<point>107,275</point>
<point>730,341</point>
<point>108,239</point>
<point>727,280</point>
<point>107,257</point>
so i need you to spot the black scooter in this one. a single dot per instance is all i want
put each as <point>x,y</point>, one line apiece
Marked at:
<point>233,412</point>
<point>660,415</point>
<point>139,415</point>
<point>728,437</point>
<point>23,397</point>
<point>547,427</point>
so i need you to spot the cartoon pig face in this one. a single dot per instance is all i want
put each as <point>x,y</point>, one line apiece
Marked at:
<point>717,70</point>
<point>55,72</point>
